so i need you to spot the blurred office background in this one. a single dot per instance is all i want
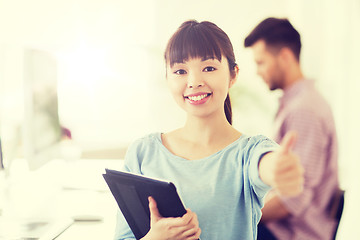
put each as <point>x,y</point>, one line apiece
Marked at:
<point>99,71</point>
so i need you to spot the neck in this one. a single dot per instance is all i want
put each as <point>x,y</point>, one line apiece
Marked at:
<point>293,75</point>
<point>207,129</point>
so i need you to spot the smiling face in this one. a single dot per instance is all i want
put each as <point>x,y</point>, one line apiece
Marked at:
<point>200,86</point>
<point>193,46</point>
<point>268,65</point>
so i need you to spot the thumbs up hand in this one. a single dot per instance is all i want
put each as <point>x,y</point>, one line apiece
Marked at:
<point>282,170</point>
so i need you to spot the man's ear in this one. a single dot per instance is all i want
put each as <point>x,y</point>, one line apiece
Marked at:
<point>233,77</point>
<point>286,56</point>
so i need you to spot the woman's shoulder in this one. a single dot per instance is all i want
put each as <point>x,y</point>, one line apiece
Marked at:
<point>253,139</point>
<point>251,142</point>
<point>140,148</point>
<point>147,140</point>
<point>260,138</point>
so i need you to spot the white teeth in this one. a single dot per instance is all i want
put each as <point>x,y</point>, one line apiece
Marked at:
<point>197,98</point>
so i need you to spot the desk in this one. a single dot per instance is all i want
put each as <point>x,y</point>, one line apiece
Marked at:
<point>95,193</point>
<point>89,230</point>
<point>100,204</point>
<point>81,191</point>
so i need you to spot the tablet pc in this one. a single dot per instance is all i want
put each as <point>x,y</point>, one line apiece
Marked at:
<point>131,192</point>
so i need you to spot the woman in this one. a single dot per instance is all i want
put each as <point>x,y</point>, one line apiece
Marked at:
<point>221,174</point>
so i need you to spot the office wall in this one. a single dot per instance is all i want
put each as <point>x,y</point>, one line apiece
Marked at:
<point>112,87</point>
<point>110,57</point>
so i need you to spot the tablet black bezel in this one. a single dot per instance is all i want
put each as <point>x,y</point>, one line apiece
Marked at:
<point>140,188</point>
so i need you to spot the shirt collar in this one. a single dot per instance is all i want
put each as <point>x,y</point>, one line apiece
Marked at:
<point>294,89</point>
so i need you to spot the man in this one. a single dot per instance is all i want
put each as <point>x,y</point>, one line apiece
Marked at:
<point>276,46</point>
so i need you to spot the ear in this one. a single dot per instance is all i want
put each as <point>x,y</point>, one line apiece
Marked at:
<point>233,78</point>
<point>286,56</point>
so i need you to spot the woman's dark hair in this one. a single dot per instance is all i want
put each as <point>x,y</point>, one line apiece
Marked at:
<point>201,40</point>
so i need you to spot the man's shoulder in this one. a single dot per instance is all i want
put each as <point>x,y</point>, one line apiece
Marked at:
<point>309,101</point>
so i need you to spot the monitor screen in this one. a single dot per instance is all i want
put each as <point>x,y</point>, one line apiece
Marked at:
<point>42,129</point>
<point>1,157</point>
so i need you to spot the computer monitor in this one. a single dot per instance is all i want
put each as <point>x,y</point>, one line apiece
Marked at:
<point>24,215</point>
<point>1,157</point>
<point>42,128</point>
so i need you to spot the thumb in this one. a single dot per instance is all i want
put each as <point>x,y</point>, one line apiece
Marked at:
<point>154,212</point>
<point>288,142</point>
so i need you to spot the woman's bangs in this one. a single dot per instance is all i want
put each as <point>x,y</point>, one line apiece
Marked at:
<point>193,45</point>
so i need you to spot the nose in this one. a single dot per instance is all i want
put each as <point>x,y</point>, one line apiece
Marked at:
<point>195,80</point>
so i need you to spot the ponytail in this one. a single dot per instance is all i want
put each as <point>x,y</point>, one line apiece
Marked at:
<point>227,108</point>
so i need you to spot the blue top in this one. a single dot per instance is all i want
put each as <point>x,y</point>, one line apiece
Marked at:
<point>223,189</point>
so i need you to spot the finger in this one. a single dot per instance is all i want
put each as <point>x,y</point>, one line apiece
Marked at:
<point>288,142</point>
<point>195,236</point>
<point>189,216</point>
<point>295,173</point>
<point>185,231</point>
<point>192,233</point>
<point>154,212</point>
<point>288,178</point>
<point>294,181</point>
<point>189,230</point>
<point>290,191</point>
<point>290,181</point>
<point>288,164</point>
<point>181,221</point>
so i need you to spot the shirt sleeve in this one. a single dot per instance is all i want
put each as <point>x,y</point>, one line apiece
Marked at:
<point>133,157</point>
<point>310,146</point>
<point>260,145</point>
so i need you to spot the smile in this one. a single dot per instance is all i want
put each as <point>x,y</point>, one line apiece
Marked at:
<point>198,98</point>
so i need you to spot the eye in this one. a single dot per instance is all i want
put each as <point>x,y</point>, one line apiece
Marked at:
<point>180,72</point>
<point>209,69</point>
<point>259,63</point>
